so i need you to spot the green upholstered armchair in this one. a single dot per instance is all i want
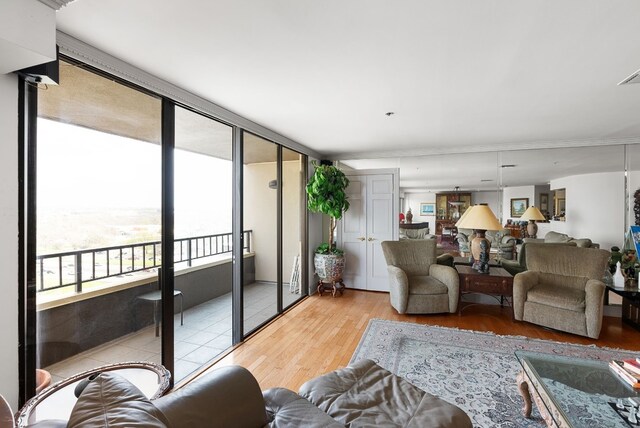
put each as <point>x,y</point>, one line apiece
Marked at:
<point>562,288</point>
<point>500,239</point>
<point>418,284</point>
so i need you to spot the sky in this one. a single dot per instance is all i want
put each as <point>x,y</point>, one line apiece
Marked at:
<point>83,169</point>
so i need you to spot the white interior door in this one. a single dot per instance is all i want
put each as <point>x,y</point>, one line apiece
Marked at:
<point>367,223</point>
<point>353,231</point>
<point>379,228</point>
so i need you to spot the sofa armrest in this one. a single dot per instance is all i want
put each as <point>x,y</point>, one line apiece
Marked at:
<point>462,238</point>
<point>229,396</point>
<point>449,277</point>
<point>288,409</point>
<point>512,266</point>
<point>522,283</point>
<point>594,297</point>
<point>533,240</point>
<point>398,288</point>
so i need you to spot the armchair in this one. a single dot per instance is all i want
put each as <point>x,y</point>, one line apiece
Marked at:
<point>418,284</point>
<point>520,264</point>
<point>562,288</point>
<point>501,240</point>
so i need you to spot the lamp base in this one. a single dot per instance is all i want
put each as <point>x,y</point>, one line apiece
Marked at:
<point>480,247</point>
<point>532,229</point>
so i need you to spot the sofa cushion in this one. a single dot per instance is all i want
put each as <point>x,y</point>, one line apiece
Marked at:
<point>556,237</point>
<point>366,395</point>
<point>426,285</point>
<point>285,408</point>
<point>572,299</point>
<point>112,401</point>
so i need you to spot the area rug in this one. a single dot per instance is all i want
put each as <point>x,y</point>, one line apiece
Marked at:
<point>474,370</point>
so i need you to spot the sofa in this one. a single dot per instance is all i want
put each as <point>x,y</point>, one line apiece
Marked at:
<point>500,239</point>
<point>363,394</point>
<point>555,237</point>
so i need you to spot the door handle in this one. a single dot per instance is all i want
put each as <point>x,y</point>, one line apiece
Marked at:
<point>371,239</point>
<point>361,238</point>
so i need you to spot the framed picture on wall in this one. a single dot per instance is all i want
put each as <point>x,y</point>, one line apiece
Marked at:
<point>519,206</point>
<point>427,208</point>
<point>544,202</point>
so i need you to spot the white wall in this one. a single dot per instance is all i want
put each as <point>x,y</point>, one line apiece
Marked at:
<point>487,197</point>
<point>260,215</point>
<point>9,238</point>
<point>27,34</point>
<point>594,208</point>
<point>413,201</point>
<point>515,193</point>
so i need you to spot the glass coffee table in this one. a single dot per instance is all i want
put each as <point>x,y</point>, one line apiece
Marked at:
<point>572,392</point>
<point>57,401</point>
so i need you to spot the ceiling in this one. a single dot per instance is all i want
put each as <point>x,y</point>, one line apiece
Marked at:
<point>459,75</point>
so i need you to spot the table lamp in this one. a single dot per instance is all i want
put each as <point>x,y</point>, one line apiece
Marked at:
<point>532,214</point>
<point>480,218</point>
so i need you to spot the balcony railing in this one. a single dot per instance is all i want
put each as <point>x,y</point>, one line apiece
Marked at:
<point>77,267</point>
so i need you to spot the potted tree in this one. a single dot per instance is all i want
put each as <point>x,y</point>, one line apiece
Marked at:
<point>326,193</point>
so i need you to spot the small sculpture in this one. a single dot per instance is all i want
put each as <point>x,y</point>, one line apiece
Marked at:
<point>627,264</point>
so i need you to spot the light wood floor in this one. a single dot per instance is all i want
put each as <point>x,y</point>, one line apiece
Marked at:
<point>321,333</point>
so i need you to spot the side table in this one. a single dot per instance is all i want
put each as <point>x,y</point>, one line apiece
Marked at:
<point>630,302</point>
<point>498,282</point>
<point>57,401</point>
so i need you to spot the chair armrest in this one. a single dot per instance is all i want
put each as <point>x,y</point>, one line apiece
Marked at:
<point>461,237</point>
<point>593,299</point>
<point>522,283</point>
<point>229,396</point>
<point>508,239</point>
<point>398,288</point>
<point>449,277</point>
<point>445,259</point>
<point>512,266</point>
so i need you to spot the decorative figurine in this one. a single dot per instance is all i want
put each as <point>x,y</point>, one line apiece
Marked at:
<point>409,216</point>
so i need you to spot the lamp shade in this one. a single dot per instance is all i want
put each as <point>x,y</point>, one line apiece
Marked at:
<point>464,214</point>
<point>479,217</point>
<point>532,213</point>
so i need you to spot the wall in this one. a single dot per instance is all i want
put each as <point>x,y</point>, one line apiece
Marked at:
<point>260,215</point>
<point>413,201</point>
<point>490,198</point>
<point>515,193</point>
<point>591,200</point>
<point>9,238</point>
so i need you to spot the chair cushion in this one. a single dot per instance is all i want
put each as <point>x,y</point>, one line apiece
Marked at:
<point>366,395</point>
<point>112,401</point>
<point>572,299</point>
<point>426,285</point>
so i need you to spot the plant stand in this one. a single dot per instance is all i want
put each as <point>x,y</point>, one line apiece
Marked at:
<point>333,287</point>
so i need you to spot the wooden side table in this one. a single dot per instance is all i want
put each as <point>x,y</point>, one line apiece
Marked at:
<point>498,282</point>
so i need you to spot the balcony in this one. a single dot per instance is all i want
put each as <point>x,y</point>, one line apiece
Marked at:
<point>89,313</point>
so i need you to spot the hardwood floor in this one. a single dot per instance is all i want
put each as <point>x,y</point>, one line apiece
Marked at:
<point>321,333</point>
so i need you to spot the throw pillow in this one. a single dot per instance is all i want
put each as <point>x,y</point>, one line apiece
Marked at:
<point>112,401</point>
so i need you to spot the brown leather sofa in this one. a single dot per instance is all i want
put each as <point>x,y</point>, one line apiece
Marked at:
<point>363,394</point>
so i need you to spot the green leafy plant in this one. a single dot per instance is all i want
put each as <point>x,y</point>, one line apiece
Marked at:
<point>326,193</point>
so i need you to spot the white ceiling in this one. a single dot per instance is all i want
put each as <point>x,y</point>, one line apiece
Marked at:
<point>460,75</point>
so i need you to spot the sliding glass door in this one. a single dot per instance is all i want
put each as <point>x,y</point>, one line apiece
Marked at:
<point>98,224</point>
<point>203,174</point>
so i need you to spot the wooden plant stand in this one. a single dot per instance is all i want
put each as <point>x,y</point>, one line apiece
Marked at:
<point>334,287</point>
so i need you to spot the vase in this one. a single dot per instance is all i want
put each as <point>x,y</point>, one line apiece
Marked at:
<point>409,216</point>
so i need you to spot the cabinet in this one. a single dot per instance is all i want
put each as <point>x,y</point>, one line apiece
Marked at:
<point>369,221</point>
<point>448,213</point>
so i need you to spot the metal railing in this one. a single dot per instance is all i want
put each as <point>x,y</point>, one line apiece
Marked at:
<point>77,267</point>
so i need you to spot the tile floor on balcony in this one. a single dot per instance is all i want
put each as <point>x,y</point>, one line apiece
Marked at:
<point>205,334</point>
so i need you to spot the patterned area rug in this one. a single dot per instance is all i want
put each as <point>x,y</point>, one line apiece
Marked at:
<point>476,371</point>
